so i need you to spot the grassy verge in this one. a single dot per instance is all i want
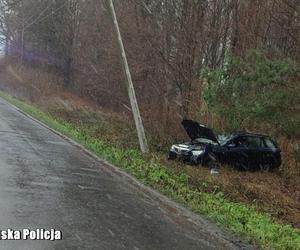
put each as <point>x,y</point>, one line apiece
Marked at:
<point>240,219</point>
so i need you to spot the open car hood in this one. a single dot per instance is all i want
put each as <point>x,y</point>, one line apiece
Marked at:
<point>196,130</point>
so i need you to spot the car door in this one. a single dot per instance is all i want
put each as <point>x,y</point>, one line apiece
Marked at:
<point>238,153</point>
<point>255,151</point>
<point>270,155</point>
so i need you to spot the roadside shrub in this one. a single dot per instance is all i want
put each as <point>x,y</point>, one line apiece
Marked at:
<point>253,90</point>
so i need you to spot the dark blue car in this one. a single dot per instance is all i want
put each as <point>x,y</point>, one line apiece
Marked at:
<point>244,151</point>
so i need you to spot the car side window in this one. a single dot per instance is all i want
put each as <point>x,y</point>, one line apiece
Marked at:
<point>270,144</point>
<point>240,142</point>
<point>255,142</point>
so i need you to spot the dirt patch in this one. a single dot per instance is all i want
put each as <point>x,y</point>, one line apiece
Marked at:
<point>268,192</point>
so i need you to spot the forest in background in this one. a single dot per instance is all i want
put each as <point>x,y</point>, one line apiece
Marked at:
<point>231,64</point>
<point>241,56</point>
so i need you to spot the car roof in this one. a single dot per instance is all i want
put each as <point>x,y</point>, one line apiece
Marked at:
<point>249,134</point>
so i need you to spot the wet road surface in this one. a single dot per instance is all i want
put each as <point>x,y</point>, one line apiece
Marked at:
<point>46,182</point>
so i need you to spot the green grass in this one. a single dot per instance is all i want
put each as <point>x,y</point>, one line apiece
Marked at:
<point>242,220</point>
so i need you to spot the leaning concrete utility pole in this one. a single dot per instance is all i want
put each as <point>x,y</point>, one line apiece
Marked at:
<point>131,92</point>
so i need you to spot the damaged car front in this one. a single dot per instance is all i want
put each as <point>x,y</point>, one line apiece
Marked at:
<point>197,150</point>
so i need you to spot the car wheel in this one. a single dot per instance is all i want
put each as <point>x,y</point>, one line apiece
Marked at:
<point>195,160</point>
<point>242,163</point>
<point>266,167</point>
<point>271,165</point>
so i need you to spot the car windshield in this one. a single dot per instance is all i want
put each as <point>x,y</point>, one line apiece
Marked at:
<point>223,139</point>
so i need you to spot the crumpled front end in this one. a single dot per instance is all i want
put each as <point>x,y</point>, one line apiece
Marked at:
<point>187,153</point>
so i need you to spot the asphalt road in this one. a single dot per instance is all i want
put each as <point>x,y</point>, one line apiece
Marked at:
<point>47,182</point>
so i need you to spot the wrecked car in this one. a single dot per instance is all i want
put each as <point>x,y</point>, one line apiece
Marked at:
<point>244,151</point>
